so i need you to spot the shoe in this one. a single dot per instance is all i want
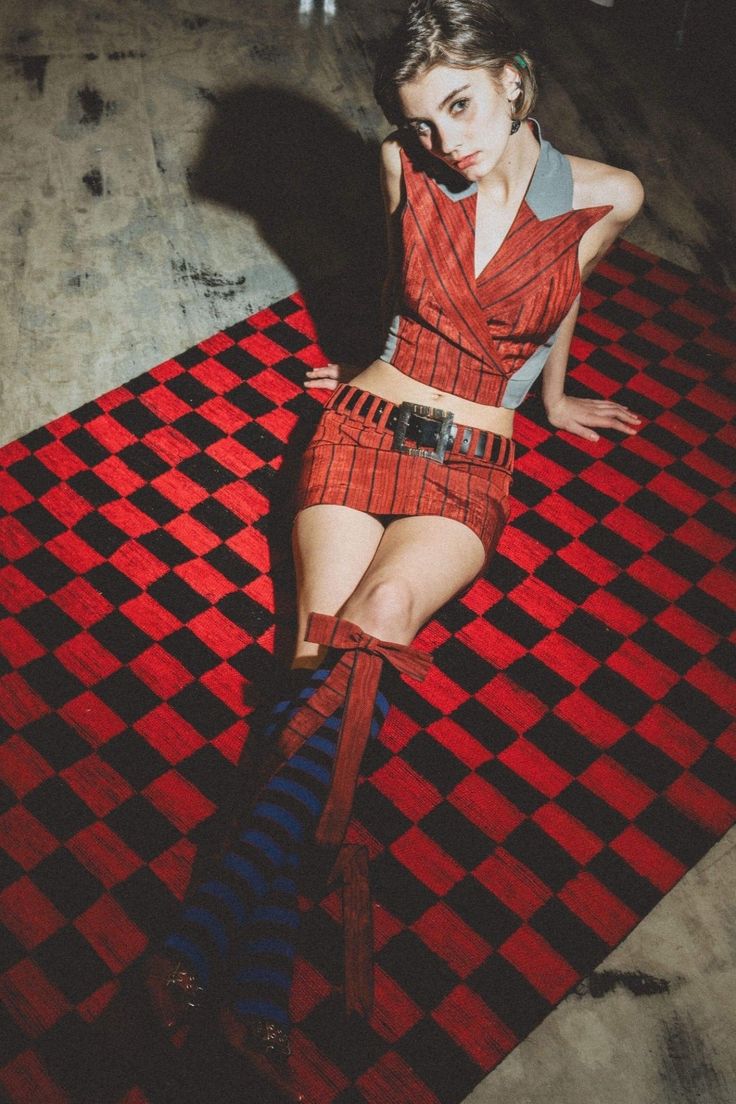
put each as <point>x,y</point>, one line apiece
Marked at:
<point>265,1047</point>
<point>174,992</point>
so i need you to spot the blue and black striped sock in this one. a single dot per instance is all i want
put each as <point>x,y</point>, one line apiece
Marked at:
<point>258,874</point>
<point>266,946</point>
<point>219,907</point>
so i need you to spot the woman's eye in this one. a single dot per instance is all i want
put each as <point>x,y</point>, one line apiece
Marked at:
<point>458,106</point>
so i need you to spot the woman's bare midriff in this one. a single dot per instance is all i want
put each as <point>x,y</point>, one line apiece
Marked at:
<point>385,380</point>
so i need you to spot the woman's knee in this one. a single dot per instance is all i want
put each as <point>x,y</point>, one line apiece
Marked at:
<point>385,608</point>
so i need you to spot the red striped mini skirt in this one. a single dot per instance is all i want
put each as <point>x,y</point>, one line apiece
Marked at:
<point>403,460</point>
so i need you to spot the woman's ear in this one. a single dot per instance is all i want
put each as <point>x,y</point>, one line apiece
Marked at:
<point>510,82</point>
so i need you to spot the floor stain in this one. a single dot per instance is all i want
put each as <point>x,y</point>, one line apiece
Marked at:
<point>686,1068</point>
<point>193,23</point>
<point>268,52</point>
<point>602,982</point>
<point>24,219</point>
<point>86,281</point>
<point>93,182</point>
<point>214,283</point>
<point>158,149</point>
<point>93,106</point>
<point>34,69</point>
<point>121,55</point>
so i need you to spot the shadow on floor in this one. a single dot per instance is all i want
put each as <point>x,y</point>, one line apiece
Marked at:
<point>311,185</point>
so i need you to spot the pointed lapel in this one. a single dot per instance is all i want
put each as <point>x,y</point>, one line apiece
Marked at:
<point>442,227</point>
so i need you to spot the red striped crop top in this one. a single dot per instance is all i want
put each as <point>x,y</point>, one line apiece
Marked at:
<point>485,339</point>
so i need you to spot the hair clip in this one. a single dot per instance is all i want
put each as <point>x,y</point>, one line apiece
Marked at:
<point>520,61</point>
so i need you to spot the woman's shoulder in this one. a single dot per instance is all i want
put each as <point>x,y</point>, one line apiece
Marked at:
<point>599,185</point>
<point>391,170</point>
<point>391,147</point>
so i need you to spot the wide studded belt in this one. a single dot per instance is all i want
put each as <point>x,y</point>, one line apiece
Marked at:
<point>424,430</point>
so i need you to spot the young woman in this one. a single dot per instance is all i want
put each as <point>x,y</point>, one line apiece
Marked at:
<point>404,489</point>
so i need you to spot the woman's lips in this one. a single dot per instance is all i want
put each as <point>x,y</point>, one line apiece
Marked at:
<point>465,162</point>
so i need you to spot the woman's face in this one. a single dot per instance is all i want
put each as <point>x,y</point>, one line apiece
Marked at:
<point>462,116</point>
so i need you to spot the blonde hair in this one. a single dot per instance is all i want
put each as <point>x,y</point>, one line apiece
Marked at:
<point>464,34</point>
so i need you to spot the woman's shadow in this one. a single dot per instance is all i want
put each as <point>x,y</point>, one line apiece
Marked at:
<point>311,185</point>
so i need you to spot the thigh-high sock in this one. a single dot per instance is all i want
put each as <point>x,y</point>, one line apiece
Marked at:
<point>265,948</point>
<point>266,854</point>
<point>308,797</point>
<point>218,907</point>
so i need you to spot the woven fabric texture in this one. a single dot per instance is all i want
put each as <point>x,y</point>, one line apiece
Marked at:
<point>569,757</point>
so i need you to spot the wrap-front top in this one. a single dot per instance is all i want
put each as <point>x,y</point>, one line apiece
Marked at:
<point>485,339</point>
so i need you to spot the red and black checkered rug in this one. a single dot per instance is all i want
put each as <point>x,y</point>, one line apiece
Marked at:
<point>570,756</point>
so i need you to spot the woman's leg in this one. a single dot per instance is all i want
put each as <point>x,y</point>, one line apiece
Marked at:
<point>400,580</point>
<point>405,583</point>
<point>420,564</point>
<point>265,946</point>
<point>391,581</point>
<point>333,547</point>
<point>264,958</point>
<point>265,849</point>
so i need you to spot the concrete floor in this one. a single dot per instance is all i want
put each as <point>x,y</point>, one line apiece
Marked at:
<point>167,168</point>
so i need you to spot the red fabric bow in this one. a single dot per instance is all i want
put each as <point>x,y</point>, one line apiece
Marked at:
<point>336,632</point>
<point>351,684</point>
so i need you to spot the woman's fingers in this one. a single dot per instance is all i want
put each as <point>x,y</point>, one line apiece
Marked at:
<point>324,371</point>
<point>326,375</point>
<point>582,430</point>
<point>326,384</point>
<point>613,420</point>
<point>604,414</point>
<point>621,412</point>
<point>586,416</point>
<point>607,406</point>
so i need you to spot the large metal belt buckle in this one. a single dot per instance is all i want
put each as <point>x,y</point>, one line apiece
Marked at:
<point>426,428</point>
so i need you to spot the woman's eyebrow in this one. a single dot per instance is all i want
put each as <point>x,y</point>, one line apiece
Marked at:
<point>457,91</point>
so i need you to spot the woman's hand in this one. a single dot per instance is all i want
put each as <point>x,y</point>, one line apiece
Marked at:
<point>584,416</point>
<point>328,376</point>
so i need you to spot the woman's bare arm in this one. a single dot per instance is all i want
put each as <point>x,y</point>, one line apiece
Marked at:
<point>594,185</point>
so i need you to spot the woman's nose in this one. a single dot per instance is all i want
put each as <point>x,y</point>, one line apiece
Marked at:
<point>446,139</point>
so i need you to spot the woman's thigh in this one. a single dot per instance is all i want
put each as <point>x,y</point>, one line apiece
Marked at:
<point>420,563</point>
<point>389,581</point>
<point>333,547</point>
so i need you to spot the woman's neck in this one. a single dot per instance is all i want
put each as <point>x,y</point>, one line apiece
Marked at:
<point>514,169</point>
